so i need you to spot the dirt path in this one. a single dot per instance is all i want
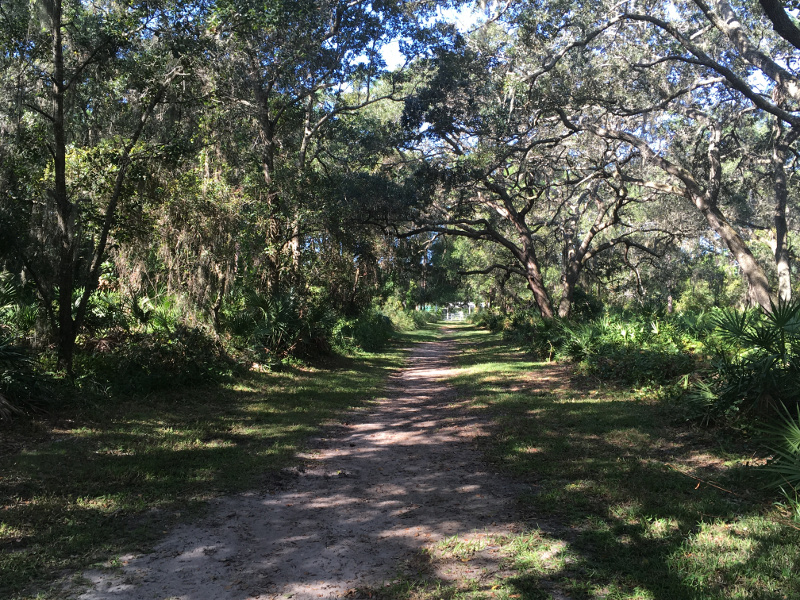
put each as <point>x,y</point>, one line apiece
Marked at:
<point>397,479</point>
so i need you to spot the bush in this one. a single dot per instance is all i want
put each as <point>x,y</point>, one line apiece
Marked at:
<point>404,320</point>
<point>21,386</point>
<point>490,318</point>
<point>106,312</point>
<point>273,328</point>
<point>784,442</point>
<point>636,348</point>
<point>757,363</point>
<point>370,331</point>
<point>432,316</point>
<point>633,349</point>
<point>585,306</point>
<point>18,384</point>
<point>19,311</point>
<point>526,328</point>
<point>143,362</point>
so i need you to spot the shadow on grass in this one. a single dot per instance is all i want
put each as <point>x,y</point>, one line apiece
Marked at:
<point>611,515</point>
<point>312,533</point>
<point>89,490</point>
<point>628,491</point>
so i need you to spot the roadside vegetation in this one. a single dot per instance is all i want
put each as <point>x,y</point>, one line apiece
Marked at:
<point>163,418</point>
<point>627,499</point>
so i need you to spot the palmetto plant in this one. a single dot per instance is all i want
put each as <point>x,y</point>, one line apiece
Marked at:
<point>763,366</point>
<point>9,293</point>
<point>13,364</point>
<point>784,437</point>
<point>271,325</point>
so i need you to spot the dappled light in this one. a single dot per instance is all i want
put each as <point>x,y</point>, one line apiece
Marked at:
<point>646,507</point>
<point>139,465</point>
<point>365,499</point>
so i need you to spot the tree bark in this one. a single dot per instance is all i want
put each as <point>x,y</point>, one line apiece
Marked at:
<point>781,22</point>
<point>536,284</point>
<point>64,208</point>
<point>758,290</point>
<point>780,149</point>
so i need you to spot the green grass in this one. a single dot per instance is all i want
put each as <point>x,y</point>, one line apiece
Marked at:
<point>615,510</point>
<point>622,502</point>
<point>97,480</point>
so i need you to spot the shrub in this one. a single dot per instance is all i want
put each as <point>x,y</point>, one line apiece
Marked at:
<point>585,306</point>
<point>784,441</point>
<point>143,362</point>
<point>757,363</point>
<point>17,383</point>
<point>269,326</point>
<point>490,318</point>
<point>540,337</point>
<point>106,312</point>
<point>272,329</point>
<point>370,331</point>
<point>404,320</point>
<point>20,385</point>
<point>19,311</point>
<point>432,316</point>
<point>635,348</point>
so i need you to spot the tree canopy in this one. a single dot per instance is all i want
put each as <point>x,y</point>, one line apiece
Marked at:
<point>219,149</point>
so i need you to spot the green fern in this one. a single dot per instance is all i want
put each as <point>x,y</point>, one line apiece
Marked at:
<point>784,443</point>
<point>760,367</point>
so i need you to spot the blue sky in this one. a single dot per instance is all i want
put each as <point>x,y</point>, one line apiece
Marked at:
<point>464,18</point>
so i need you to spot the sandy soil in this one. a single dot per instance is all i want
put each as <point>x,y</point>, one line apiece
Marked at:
<point>371,496</point>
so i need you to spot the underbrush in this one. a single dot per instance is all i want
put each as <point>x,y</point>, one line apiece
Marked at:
<point>88,481</point>
<point>404,319</point>
<point>724,367</point>
<point>627,347</point>
<point>756,364</point>
<point>140,362</point>
<point>625,501</point>
<point>158,341</point>
<point>272,329</point>
<point>19,385</point>
<point>370,331</point>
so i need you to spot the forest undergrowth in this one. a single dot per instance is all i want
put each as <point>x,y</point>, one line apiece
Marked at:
<point>92,479</point>
<point>628,501</point>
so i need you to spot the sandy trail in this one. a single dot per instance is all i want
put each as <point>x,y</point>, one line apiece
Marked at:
<point>399,478</point>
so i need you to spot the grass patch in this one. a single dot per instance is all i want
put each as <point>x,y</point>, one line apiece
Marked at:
<point>623,503</point>
<point>100,479</point>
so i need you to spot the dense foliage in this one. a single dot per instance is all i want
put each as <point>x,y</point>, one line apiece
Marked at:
<point>195,193</point>
<point>188,187</point>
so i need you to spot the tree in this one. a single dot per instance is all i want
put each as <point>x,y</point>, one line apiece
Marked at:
<point>713,38</point>
<point>88,81</point>
<point>642,73</point>
<point>288,71</point>
<point>514,174</point>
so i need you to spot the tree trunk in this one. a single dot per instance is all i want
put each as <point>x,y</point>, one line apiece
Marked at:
<point>758,291</point>
<point>536,285</point>
<point>782,262</point>
<point>66,211</point>
<point>568,290</point>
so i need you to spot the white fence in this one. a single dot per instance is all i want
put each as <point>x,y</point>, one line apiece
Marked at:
<point>454,315</point>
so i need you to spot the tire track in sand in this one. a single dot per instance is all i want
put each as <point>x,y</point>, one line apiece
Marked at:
<point>405,474</point>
